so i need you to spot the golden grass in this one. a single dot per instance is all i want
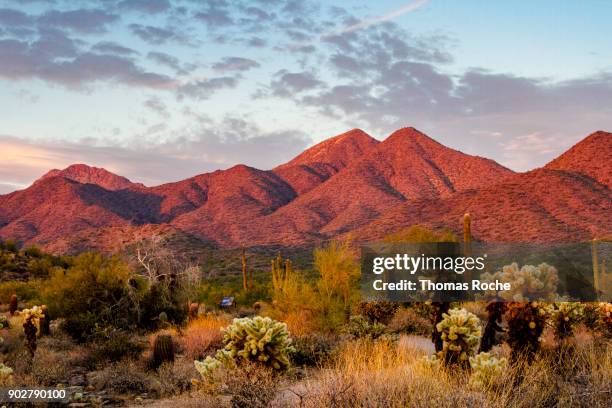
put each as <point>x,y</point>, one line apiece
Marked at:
<point>372,374</point>
<point>203,335</point>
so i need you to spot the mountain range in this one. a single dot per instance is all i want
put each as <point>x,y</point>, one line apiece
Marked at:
<point>348,184</point>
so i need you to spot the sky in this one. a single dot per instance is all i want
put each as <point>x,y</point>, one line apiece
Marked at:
<point>161,90</point>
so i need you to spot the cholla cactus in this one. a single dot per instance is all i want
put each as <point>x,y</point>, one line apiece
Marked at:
<point>29,327</point>
<point>529,283</point>
<point>359,327</point>
<point>526,323</point>
<point>486,369</point>
<point>3,324</point>
<point>565,316</point>
<point>207,367</point>
<point>258,339</point>
<point>605,318</point>
<point>460,336</point>
<point>36,312</point>
<point>6,375</point>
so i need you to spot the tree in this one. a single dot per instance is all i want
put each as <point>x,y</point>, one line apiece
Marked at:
<point>339,269</point>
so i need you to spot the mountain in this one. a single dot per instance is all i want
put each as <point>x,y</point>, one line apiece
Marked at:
<point>591,157</point>
<point>57,206</point>
<point>406,166</point>
<point>538,206</point>
<point>351,183</point>
<point>92,175</point>
<point>233,198</point>
<point>318,163</point>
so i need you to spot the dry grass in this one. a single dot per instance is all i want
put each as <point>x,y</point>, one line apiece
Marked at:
<point>381,373</point>
<point>203,335</point>
<point>123,377</point>
<point>193,400</point>
<point>174,379</point>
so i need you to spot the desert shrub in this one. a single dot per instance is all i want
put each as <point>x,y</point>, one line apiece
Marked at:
<point>112,344</point>
<point>175,379</point>
<point>58,341</point>
<point>313,350</point>
<point>359,327</point>
<point>487,370</point>
<point>418,233</point>
<point>564,317</point>
<point>164,296</point>
<point>6,375</point>
<point>259,340</point>
<point>252,386</point>
<point>26,291</point>
<point>202,336</point>
<point>406,320</point>
<point>33,252</point>
<point>378,311</point>
<point>338,283</point>
<point>526,322</point>
<point>9,245</point>
<point>590,315</point>
<point>50,367</point>
<point>91,293</point>
<point>460,336</point>
<point>604,320</point>
<point>123,377</point>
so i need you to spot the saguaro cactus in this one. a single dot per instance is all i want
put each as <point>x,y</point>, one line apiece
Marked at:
<point>467,234</point>
<point>595,266</point>
<point>280,272</point>
<point>244,271</point>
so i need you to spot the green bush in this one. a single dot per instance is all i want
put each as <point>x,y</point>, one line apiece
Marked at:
<point>92,293</point>
<point>25,291</point>
<point>313,350</point>
<point>359,327</point>
<point>114,345</point>
<point>378,311</point>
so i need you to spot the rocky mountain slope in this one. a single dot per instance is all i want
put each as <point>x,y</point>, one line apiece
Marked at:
<point>349,183</point>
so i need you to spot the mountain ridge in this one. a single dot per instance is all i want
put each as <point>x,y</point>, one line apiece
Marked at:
<point>351,183</point>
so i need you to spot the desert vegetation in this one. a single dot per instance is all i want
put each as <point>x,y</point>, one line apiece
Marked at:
<point>146,327</point>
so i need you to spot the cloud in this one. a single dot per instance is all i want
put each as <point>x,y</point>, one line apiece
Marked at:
<point>166,60</point>
<point>146,6</point>
<point>155,35</point>
<point>216,144</point>
<point>110,47</point>
<point>290,84</point>
<point>10,17</point>
<point>82,21</point>
<point>235,64</point>
<point>215,14</point>
<point>157,106</point>
<point>56,58</point>
<point>205,88</point>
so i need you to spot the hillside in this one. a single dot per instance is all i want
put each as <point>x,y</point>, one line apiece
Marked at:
<point>348,183</point>
<point>591,156</point>
<point>538,206</point>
